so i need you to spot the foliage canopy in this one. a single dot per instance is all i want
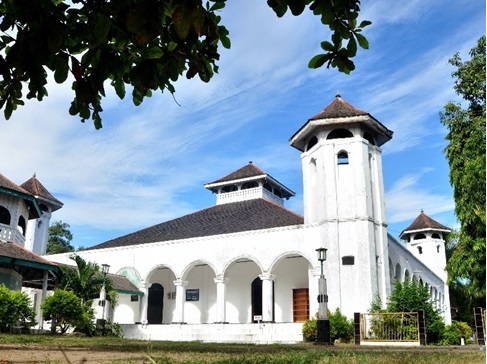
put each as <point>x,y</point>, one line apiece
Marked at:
<point>59,239</point>
<point>15,309</point>
<point>145,44</point>
<point>63,307</point>
<point>466,158</point>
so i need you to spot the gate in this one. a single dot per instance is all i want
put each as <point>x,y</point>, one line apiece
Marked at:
<point>390,328</point>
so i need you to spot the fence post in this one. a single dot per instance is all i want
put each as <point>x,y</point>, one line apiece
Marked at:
<point>356,327</point>
<point>421,328</point>
<point>479,325</point>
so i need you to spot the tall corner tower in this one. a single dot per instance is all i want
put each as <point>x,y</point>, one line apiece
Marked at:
<point>38,229</point>
<point>344,194</point>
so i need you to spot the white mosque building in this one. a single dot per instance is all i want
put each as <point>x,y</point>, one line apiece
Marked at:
<point>245,269</point>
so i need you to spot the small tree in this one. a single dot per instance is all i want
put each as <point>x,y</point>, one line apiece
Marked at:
<point>60,237</point>
<point>455,332</point>
<point>65,308</point>
<point>411,297</point>
<point>15,309</point>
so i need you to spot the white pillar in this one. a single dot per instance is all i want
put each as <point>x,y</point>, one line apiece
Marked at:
<point>43,297</point>
<point>267,297</point>
<point>221,300</point>
<point>144,302</point>
<point>178,317</point>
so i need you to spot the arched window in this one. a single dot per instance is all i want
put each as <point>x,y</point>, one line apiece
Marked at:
<point>369,138</point>
<point>437,248</point>
<point>277,193</point>
<point>419,236</point>
<point>406,275</point>
<point>230,188</point>
<point>21,225</point>
<point>44,208</point>
<point>4,216</point>
<point>342,158</point>
<point>248,185</point>
<point>340,134</point>
<point>435,236</point>
<point>420,250</point>
<point>268,187</point>
<point>312,142</point>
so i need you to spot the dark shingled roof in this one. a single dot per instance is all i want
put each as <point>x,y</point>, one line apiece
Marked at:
<point>228,218</point>
<point>37,189</point>
<point>6,183</point>
<point>338,108</point>
<point>250,170</point>
<point>424,222</point>
<point>15,251</point>
<point>28,264</point>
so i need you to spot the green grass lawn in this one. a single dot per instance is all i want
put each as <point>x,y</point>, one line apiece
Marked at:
<point>161,352</point>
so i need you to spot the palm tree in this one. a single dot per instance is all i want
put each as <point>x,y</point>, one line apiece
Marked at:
<point>86,281</point>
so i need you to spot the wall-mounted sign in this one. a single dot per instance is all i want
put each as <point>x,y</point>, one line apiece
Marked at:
<point>192,295</point>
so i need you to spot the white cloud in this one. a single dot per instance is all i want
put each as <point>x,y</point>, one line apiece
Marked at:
<point>408,197</point>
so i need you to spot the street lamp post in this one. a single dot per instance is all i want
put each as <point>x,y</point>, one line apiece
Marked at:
<point>103,295</point>
<point>323,323</point>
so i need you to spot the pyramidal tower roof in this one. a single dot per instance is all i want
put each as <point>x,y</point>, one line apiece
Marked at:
<point>424,223</point>
<point>10,188</point>
<point>36,188</point>
<point>246,183</point>
<point>340,113</point>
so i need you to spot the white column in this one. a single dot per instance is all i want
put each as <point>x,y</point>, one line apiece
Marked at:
<point>144,302</point>
<point>267,297</point>
<point>220,299</point>
<point>43,297</point>
<point>178,317</point>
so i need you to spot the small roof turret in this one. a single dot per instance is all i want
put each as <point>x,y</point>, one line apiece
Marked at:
<point>248,177</point>
<point>339,112</point>
<point>10,188</point>
<point>36,188</point>
<point>424,223</point>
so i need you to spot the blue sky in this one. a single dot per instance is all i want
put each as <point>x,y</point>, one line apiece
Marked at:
<point>149,163</point>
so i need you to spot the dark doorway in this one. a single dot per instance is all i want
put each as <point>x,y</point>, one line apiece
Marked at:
<point>257,299</point>
<point>155,304</point>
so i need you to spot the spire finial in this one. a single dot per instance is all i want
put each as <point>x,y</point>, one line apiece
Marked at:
<point>422,211</point>
<point>34,176</point>
<point>338,96</point>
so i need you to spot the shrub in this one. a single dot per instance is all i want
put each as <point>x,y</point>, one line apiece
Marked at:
<point>453,333</point>
<point>15,310</point>
<point>340,328</point>
<point>63,307</point>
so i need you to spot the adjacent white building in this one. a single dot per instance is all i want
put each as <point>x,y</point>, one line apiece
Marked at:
<point>245,269</point>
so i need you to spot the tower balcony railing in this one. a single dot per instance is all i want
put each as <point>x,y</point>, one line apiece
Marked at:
<point>247,194</point>
<point>8,233</point>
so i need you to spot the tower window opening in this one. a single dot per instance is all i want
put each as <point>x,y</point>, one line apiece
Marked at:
<point>4,216</point>
<point>312,142</point>
<point>419,236</point>
<point>277,193</point>
<point>230,188</point>
<point>21,225</point>
<point>268,187</point>
<point>420,250</point>
<point>340,134</point>
<point>342,158</point>
<point>437,248</point>
<point>435,236</point>
<point>248,185</point>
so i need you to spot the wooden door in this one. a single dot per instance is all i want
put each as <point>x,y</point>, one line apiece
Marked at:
<point>300,304</point>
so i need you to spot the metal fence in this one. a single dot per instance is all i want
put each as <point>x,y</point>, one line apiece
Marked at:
<point>389,327</point>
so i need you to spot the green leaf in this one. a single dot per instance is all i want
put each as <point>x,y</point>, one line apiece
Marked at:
<point>62,68</point>
<point>327,46</point>
<point>352,47</point>
<point>153,53</point>
<point>319,60</point>
<point>102,27</point>
<point>364,23</point>
<point>362,41</point>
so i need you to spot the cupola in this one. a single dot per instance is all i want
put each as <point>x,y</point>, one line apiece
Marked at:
<point>247,183</point>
